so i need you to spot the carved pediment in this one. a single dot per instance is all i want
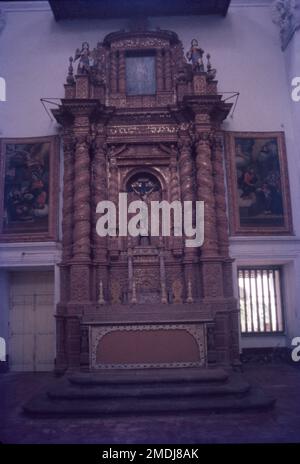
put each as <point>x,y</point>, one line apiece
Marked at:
<point>139,70</point>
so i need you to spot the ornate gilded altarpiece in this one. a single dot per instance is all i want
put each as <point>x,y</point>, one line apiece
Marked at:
<point>137,117</point>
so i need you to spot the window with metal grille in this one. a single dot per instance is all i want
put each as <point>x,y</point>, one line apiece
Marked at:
<point>260,300</point>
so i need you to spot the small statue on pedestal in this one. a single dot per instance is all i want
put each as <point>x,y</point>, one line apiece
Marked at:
<point>86,60</point>
<point>195,55</point>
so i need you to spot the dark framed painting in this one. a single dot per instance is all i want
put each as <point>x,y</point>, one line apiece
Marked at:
<point>140,74</point>
<point>258,186</point>
<point>29,189</point>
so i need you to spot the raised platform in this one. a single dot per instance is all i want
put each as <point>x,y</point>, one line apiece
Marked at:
<point>152,391</point>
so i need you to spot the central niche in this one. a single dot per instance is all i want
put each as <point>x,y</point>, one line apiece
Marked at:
<point>146,187</point>
<point>140,73</point>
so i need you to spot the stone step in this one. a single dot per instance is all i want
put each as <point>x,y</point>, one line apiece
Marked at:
<point>42,405</point>
<point>148,390</point>
<point>150,376</point>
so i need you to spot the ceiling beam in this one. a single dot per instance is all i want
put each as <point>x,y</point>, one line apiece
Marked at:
<point>104,9</point>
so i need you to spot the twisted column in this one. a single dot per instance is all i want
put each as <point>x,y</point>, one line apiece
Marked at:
<point>82,206</point>
<point>220,196</point>
<point>159,71</point>
<point>205,192</point>
<point>122,72</point>
<point>186,172</point>
<point>99,193</point>
<point>168,72</point>
<point>99,186</point>
<point>67,212</point>
<point>113,72</point>
<point>185,166</point>
<point>174,180</point>
<point>221,214</point>
<point>113,192</point>
<point>113,179</point>
<point>212,274</point>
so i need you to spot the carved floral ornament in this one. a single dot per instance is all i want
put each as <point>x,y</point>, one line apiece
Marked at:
<point>286,14</point>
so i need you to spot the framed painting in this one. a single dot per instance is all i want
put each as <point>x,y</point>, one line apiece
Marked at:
<point>29,189</point>
<point>257,179</point>
<point>140,74</point>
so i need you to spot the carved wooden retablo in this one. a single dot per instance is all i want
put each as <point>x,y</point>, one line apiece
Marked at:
<point>139,118</point>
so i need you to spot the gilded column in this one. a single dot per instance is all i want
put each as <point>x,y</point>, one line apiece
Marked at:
<point>220,196</point>
<point>80,269</point>
<point>113,72</point>
<point>122,72</point>
<point>67,212</point>
<point>113,177</point>
<point>159,71</point>
<point>174,180</point>
<point>82,204</point>
<point>212,275</point>
<point>99,193</point>
<point>99,186</point>
<point>205,192</point>
<point>113,191</point>
<point>221,214</point>
<point>185,165</point>
<point>168,71</point>
<point>186,171</point>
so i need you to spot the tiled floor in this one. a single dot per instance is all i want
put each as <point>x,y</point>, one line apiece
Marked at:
<point>282,424</point>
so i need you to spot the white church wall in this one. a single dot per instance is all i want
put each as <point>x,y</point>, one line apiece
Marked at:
<point>244,47</point>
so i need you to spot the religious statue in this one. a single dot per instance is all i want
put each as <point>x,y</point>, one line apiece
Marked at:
<point>86,60</point>
<point>195,55</point>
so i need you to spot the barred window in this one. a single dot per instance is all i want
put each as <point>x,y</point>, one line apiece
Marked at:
<point>260,299</point>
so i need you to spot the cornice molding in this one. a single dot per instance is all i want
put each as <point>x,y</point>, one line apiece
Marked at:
<point>286,14</point>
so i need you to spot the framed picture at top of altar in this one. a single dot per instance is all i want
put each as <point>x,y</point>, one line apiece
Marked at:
<point>29,189</point>
<point>258,186</point>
